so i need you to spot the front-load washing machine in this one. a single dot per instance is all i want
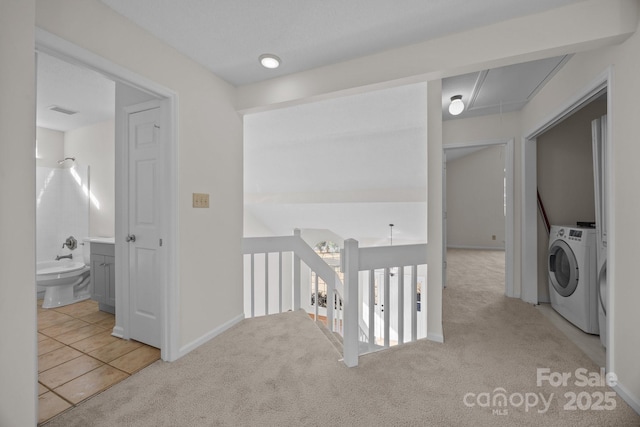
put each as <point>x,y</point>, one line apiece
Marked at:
<point>572,275</point>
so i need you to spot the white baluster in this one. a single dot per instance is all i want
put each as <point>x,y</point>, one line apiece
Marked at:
<point>400,305</point>
<point>253,281</point>
<point>280,282</point>
<point>266,284</point>
<point>386,308</point>
<point>414,302</point>
<point>372,312</point>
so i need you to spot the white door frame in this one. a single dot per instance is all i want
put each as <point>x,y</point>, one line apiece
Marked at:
<point>510,290</point>
<point>53,45</point>
<point>529,266</point>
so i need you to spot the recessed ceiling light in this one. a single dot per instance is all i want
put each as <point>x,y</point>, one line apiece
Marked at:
<point>457,106</point>
<point>269,60</point>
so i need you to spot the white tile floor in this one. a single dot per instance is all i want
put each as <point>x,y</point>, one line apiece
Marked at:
<point>590,344</point>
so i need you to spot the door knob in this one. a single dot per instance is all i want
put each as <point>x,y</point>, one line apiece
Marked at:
<point>131,238</point>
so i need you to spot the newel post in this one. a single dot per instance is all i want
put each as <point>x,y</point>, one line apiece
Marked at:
<point>350,300</point>
<point>296,275</point>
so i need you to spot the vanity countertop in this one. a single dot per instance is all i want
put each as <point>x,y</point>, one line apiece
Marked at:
<point>110,240</point>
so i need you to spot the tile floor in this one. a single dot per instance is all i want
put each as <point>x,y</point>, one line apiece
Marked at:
<point>78,357</point>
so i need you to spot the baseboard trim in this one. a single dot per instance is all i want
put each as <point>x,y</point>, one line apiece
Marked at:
<point>628,397</point>
<point>484,248</point>
<point>118,332</point>
<point>435,337</point>
<point>209,335</point>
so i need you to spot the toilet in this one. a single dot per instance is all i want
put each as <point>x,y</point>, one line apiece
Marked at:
<point>65,281</point>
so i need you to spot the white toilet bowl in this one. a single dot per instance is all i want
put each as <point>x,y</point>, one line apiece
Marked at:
<point>65,282</point>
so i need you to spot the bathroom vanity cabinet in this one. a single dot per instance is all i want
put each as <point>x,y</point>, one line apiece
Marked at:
<point>103,282</point>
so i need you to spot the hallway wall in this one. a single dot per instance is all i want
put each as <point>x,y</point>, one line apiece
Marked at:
<point>18,352</point>
<point>475,200</point>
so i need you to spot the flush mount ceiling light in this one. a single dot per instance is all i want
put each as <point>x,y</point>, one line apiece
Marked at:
<point>457,106</point>
<point>269,60</point>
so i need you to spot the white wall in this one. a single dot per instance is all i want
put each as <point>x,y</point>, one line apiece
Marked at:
<point>49,147</point>
<point>565,179</point>
<point>18,361</point>
<point>475,200</point>
<point>434,211</point>
<point>485,128</point>
<point>209,155</point>
<point>94,146</point>
<point>578,73</point>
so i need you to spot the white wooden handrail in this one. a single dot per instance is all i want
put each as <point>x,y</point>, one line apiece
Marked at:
<point>295,244</point>
<point>392,256</point>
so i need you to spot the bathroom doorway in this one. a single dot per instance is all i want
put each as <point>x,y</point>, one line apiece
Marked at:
<point>130,89</point>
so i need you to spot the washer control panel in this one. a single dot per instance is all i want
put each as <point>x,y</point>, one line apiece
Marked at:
<point>575,235</point>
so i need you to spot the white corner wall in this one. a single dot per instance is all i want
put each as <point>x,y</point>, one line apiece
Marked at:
<point>209,151</point>
<point>94,146</point>
<point>624,204</point>
<point>475,200</point>
<point>18,360</point>
<point>434,211</point>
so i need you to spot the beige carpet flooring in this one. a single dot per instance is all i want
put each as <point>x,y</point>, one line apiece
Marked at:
<point>281,370</point>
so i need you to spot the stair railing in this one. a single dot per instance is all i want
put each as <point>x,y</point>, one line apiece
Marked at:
<point>344,305</point>
<point>372,260</point>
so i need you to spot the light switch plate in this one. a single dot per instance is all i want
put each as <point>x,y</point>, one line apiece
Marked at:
<point>200,200</point>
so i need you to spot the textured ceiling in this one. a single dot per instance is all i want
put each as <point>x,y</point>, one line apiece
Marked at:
<point>86,92</point>
<point>228,36</point>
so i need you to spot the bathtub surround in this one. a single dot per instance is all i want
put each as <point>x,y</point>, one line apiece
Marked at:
<point>62,209</point>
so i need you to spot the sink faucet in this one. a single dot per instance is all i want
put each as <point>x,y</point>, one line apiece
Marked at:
<point>59,257</point>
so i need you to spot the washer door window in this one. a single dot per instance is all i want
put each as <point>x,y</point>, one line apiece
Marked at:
<point>563,268</point>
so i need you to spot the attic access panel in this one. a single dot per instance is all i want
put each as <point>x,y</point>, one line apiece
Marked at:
<point>513,85</point>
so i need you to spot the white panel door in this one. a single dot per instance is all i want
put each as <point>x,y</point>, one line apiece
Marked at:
<point>144,227</point>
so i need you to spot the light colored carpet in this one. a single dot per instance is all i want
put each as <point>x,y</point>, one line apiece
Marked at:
<point>282,371</point>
